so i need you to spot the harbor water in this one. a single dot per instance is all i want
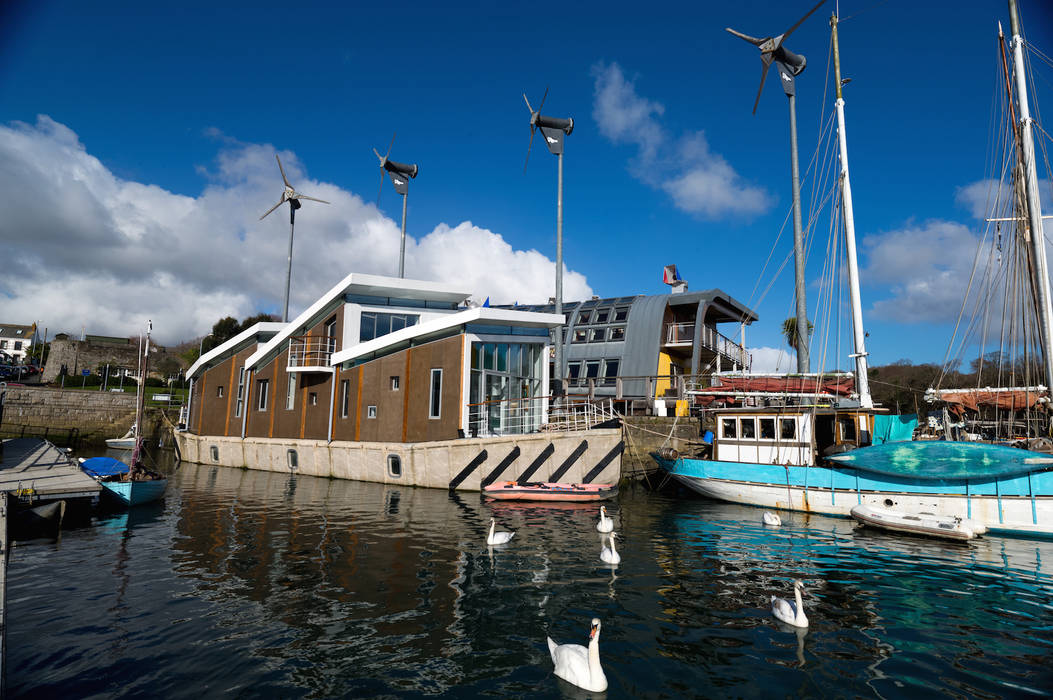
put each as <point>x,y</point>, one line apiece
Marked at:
<point>254,584</point>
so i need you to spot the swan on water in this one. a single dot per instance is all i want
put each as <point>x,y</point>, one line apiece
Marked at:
<point>790,613</point>
<point>770,518</point>
<point>578,665</point>
<point>606,524</point>
<point>498,537</point>
<point>610,554</point>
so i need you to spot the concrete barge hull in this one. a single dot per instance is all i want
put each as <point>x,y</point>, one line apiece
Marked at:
<point>464,464</point>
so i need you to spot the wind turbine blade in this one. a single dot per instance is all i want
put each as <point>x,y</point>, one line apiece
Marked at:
<point>542,105</point>
<point>752,39</point>
<point>763,75</point>
<point>284,179</point>
<point>377,154</point>
<point>528,149</point>
<point>280,202</point>
<point>313,199</point>
<point>790,30</point>
<point>381,189</point>
<point>528,104</point>
<point>390,145</point>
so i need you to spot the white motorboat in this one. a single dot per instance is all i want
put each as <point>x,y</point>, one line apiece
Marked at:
<point>931,524</point>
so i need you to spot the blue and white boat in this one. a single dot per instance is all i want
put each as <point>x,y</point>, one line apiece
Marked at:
<point>804,445</point>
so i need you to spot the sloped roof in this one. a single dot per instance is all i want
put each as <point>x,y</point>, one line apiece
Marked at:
<point>221,349</point>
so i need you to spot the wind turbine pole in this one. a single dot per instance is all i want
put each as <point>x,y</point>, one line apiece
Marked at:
<point>860,354</point>
<point>559,269</point>
<point>1034,206</point>
<point>288,271</point>
<point>402,250</point>
<point>798,247</point>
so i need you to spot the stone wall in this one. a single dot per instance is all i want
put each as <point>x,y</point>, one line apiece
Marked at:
<point>645,434</point>
<point>97,415</point>
<point>76,355</point>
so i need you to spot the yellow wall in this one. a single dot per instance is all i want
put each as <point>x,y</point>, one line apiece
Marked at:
<point>663,368</point>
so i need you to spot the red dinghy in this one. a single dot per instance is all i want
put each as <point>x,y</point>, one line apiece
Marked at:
<point>549,491</point>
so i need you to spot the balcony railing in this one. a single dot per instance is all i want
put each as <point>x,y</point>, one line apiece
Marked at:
<point>311,350</point>
<point>684,334</point>
<point>519,416</point>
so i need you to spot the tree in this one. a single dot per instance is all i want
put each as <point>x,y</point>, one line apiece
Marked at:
<point>789,331</point>
<point>258,318</point>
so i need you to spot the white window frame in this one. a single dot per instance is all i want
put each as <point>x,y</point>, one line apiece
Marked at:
<point>261,401</point>
<point>435,412</point>
<point>371,411</point>
<point>345,391</point>
<point>290,392</point>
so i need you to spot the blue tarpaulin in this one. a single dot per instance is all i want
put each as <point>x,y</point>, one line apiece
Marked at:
<point>103,466</point>
<point>894,428</point>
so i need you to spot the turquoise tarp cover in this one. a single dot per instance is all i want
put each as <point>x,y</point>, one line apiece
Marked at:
<point>894,428</point>
<point>944,460</point>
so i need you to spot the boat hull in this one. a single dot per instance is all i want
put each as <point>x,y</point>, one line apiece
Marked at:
<point>133,493</point>
<point>120,443</point>
<point>1021,505</point>
<point>549,491</point>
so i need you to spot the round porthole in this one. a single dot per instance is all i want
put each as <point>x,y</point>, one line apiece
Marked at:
<point>292,459</point>
<point>889,503</point>
<point>394,466</point>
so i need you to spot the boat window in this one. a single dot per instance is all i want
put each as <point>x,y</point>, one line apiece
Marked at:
<point>618,333</point>
<point>787,428</point>
<point>848,429</point>
<point>767,428</point>
<point>748,427</point>
<point>728,428</point>
<point>394,466</point>
<point>601,316</point>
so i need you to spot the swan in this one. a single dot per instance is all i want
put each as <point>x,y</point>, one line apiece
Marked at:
<point>786,611</point>
<point>578,665</point>
<point>605,524</point>
<point>610,554</point>
<point>498,537</point>
<point>770,518</point>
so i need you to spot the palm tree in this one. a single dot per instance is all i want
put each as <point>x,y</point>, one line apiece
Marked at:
<point>789,331</point>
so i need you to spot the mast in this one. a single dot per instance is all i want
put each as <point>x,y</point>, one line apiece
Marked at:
<point>860,354</point>
<point>136,465</point>
<point>1034,208</point>
<point>803,336</point>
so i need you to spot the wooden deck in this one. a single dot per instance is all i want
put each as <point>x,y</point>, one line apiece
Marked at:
<point>34,470</point>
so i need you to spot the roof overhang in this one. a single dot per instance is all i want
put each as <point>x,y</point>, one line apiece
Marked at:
<point>481,315</point>
<point>219,350</point>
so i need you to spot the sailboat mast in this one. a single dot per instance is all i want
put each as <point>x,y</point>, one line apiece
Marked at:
<point>1034,207</point>
<point>860,354</point>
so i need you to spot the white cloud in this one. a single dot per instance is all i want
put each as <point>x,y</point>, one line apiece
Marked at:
<point>980,197</point>
<point>699,181</point>
<point>83,247</point>
<point>926,267</point>
<point>767,360</point>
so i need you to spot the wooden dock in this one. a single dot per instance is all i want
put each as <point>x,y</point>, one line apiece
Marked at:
<point>34,470</point>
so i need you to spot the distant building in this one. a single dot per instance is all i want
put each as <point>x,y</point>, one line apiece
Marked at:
<point>650,343</point>
<point>16,342</point>
<point>99,353</point>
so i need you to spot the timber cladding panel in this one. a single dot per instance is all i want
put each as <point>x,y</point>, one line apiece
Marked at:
<point>445,355</point>
<point>344,426</point>
<point>212,419</point>
<point>377,392</point>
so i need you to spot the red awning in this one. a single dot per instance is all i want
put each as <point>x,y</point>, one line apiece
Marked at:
<point>1005,400</point>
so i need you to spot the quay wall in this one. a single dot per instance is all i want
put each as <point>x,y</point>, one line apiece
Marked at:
<point>645,434</point>
<point>97,415</point>
<point>462,464</point>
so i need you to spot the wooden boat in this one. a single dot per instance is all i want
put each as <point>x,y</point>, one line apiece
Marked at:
<point>549,491</point>
<point>928,524</point>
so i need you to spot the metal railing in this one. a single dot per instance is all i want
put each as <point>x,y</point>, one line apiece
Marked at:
<point>311,350</point>
<point>679,333</point>
<point>520,416</point>
<point>684,334</point>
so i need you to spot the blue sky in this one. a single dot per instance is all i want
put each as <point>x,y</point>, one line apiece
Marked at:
<point>136,193</point>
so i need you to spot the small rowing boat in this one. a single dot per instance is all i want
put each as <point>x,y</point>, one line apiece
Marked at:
<point>549,491</point>
<point>945,526</point>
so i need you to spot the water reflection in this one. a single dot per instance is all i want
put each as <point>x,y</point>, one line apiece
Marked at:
<point>275,584</point>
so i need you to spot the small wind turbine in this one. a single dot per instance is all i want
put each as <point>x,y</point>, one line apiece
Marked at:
<point>554,130</point>
<point>400,174</point>
<point>790,65</point>
<point>293,197</point>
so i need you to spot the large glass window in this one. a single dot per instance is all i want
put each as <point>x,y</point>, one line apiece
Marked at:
<point>375,324</point>
<point>504,395</point>
<point>241,393</point>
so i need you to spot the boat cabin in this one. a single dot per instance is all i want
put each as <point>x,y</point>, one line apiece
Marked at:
<point>788,435</point>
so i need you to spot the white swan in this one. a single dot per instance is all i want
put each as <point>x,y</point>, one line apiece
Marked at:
<point>606,524</point>
<point>610,554</point>
<point>498,537</point>
<point>770,518</point>
<point>578,665</point>
<point>786,611</point>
